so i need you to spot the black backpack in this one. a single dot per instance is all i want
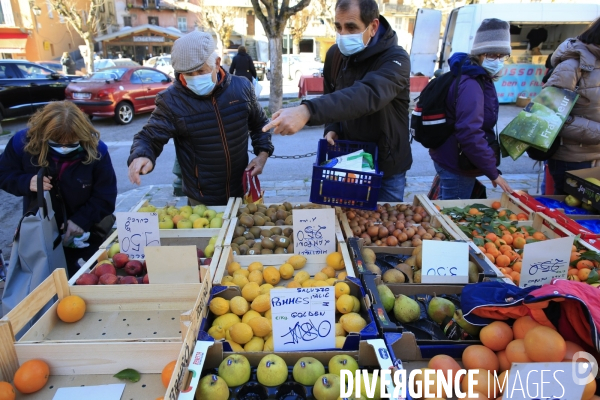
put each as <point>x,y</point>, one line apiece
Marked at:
<point>428,123</point>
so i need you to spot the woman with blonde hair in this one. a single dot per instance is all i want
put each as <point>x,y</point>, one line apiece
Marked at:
<point>79,173</point>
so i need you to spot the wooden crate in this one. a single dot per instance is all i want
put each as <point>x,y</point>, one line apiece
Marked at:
<point>506,202</point>
<point>124,327</point>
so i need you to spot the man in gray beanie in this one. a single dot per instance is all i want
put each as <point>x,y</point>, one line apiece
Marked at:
<point>209,114</point>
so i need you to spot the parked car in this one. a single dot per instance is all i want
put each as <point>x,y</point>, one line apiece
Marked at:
<point>161,63</point>
<point>118,92</point>
<point>57,66</point>
<point>114,62</point>
<point>27,86</point>
<point>298,67</point>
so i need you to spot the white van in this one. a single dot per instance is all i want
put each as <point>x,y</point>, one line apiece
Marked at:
<point>523,72</point>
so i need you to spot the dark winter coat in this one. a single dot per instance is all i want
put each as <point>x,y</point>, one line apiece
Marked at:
<point>370,99</point>
<point>89,190</point>
<point>68,65</point>
<point>474,118</point>
<point>242,65</point>
<point>210,135</point>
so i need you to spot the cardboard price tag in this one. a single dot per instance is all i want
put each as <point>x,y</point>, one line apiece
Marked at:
<point>544,381</point>
<point>445,262</point>
<point>172,264</point>
<point>314,231</point>
<point>136,231</point>
<point>303,318</point>
<point>544,261</point>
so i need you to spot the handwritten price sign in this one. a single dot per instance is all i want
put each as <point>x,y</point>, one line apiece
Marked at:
<point>544,261</point>
<point>314,231</point>
<point>303,318</point>
<point>445,262</point>
<point>136,231</point>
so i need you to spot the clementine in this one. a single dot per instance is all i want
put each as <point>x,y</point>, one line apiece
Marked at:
<point>505,248</point>
<point>516,277</point>
<point>71,309</point>
<point>473,211</point>
<point>539,236</point>
<point>507,238</point>
<point>478,356</point>
<point>502,213</point>
<point>7,392</point>
<point>572,348</point>
<point>496,205</point>
<point>515,352</point>
<point>523,325</point>
<point>167,372</point>
<point>517,266</point>
<point>589,390</point>
<point>31,376</point>
<point>583,274</point>
<point>482,381</point>
<point>490,257</point>
<point>444,363</point>
<point>519,242</point>
<point>585,264</point>
<point>543,344</point>
<point>496,335</point>
<point>574,256</point>
<point>502,261</point>
<point>502,360</point>
<point>491,236</point>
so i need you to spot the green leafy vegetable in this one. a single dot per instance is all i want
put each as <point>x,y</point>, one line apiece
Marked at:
<point>128,374</point>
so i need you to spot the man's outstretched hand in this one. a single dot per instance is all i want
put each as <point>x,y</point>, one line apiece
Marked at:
<point>139,166</point>
<point>288,121</point>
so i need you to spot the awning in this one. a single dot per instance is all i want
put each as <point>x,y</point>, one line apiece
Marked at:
<point>12,41</point>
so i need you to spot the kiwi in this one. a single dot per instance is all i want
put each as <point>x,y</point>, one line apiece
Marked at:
<point>249,236</point>
<point>255,231</point>
<point>267,243</point>
<point>239,240</point>
<point>259,214</point>
<point>254,251</point>
<point>243,210</point>
<point>252,208</point>
<point>266,251</point>
<point>266,233</point>
<point>279,250</point>
<point>244,249</point>
<point>247,221</point>
<point>290,248</point>
<point>273,206</point>
<point>276,231</point>
<point>269,223</point>
<point>289,220</point>
<point>283,242</point>
<point>288,232</point>
<point>258,220</point>
<point>281,208</point>
<point>288,206</point>
<point>281,214</point>
<point>238,231</point>
<point>279,222</point>
<point>250,243</point>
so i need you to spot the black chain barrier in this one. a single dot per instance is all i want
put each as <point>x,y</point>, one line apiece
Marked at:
<point>295,157</point>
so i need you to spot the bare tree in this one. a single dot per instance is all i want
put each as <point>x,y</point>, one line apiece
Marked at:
<point>84,21</point>
<point>220,19</point>
<point>274,15</point>
<point>325,12</point>
<point>299,23</point>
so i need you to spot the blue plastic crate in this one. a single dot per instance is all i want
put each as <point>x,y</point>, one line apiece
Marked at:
<point>340,187</point>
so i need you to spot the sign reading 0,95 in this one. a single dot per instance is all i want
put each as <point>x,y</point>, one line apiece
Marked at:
<point>136,231</point>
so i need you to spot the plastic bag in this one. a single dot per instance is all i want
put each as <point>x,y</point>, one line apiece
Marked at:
<point>252,192</point>
<point>257,87</point>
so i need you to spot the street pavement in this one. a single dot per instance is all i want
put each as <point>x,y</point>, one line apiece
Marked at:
<point>282,179</point>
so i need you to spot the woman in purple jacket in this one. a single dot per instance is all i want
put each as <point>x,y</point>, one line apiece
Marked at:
<point>474,113</point>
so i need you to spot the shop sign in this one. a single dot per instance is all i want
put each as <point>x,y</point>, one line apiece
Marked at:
<point>148,38</point>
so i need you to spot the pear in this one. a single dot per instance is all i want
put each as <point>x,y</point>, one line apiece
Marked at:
<point>473,272</point>
<point>368,255</point>
<point>407,270</point>
<point>439,309</point>
<point>406,310</point>
<point>393,276</point>
<point>374,269</point>
<point>465,325</point>
<point>386,296</point>
<point>417,276</point>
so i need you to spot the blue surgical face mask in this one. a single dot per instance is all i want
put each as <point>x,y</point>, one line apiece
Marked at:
<point>352,43</point>
<point>492,67</point>
<point>202,85</point>
<point>64,148</point>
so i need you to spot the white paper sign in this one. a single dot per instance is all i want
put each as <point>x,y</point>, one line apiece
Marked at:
<point>303,318</point>
<point>445,262</point>
<point>544,261</point>
<point>136,231</point>
<point>544,381</point>
<point>314,231</point>
<point>101,392</point>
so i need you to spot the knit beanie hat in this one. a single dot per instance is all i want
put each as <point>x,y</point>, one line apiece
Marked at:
<point>191,51</point>
<point>493,37</point>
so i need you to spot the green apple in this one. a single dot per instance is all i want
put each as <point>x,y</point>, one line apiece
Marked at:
<point>185,214</point>
<point>200,223</point>
<point>216,222</point>
<point>338,363</point>
<point>220,214</point>
<point>193,217</point>
<point>212,387</point>
<point>307,370</point>
<point>213,239</point>
<point>235,370</point>
<point>586,206</point>
<point>199,209</point>
<point>147,209</point>
<point>363,391</point>
<point>327,387</point>
<point>572,201</point>
<point>210,214</point>
<point>184,224</point>
<point>209,250</point>
<point>186,209</point>
<point>114,249</point>
<point>172,211</point>
<point>165,222</point>
<point>272,371</point>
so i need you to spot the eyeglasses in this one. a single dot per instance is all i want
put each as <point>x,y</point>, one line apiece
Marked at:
<point>493,57</point>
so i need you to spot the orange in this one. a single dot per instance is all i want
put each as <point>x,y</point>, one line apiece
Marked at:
<point>505,248</point>
<point>585,264</point>
<point>478,356</point>
<point>31,376</point>
<point>474,232</point>
<point>167,372</point>
<point>491,236</point>
<point>483,379</point>
<point>503,361</point>
<point>490,245</point>
<point>522,216</point>
<point>543,344</point>
<point>572,271</point>
<point>496,335</point>
<point>516,234</point>
<point>494,252</point>
<point>519,242</point>
<point>499,243</point>
<point>502,227</point>
<point>483,249</point>
<point>517,266</point>
<point>7,392</point>
<point>516,277</point>
<point>71,309</point>
<point>502,213</point>
<point>473,211</point>
<point>523,325</point>
<point>539,236</point>
<point>513,255</point>
<point>583,274</point>
<point>589,390</point>
<point>507,238</point>
<point>502,261</point>
<point>490,257</point>
<point>512,217</point>
<point>444,363</point>
<point>496,205</point>
<point>515,352</point>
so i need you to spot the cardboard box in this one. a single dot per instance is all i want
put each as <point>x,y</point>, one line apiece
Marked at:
<point>139,327</point>
<point>577,185</point>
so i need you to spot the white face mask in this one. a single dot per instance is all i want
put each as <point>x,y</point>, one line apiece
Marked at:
<point>352,43</point>
<point>64,148</point>
<point>202,85</point>
<point>493,67</point>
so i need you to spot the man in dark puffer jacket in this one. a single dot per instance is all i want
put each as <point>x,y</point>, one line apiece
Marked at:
<point>209,114</point>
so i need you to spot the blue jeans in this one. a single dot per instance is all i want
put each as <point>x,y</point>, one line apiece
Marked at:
<point>454,186</point>
<point>392,188</point>
<point>558,169</point>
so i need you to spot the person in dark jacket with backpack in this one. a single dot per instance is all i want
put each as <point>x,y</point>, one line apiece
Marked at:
<point>80,175</point>
<point>68,64</point>
<point>209,114</point>
<point>366,97</point>
<point>242,65</point>
<point>473,150</point>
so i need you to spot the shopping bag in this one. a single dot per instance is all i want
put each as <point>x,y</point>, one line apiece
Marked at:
<point>37,251</point>
<point>252,192</point>
<point>538,124</point>
<point>257,87</point>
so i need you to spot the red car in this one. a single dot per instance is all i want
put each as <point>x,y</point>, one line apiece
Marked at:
<point>119,92</point>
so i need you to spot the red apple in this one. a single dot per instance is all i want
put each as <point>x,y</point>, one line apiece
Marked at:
<point>120,259</point>
<point>146,280</point>
<point>200,253</point>
<point>87,279</point>
<point>104,269</point>
<point>144,268</point>
<point>133,268</point>
<point>108,279</point>
<point>128,280</point>
<point>207,261</point>
<point>140,279</point>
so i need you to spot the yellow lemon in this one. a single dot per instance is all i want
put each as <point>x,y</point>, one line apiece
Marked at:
<point>336,261</point>
<point>244,272</point>
<point>225,321</point>
<point>255,266</point>
<point>227,278</point>
<point>341,288</point>
<point>352,322</point>
<point>255,344</point>
<point>268,314</point>
<point>320,276</point>
<point>234,266</point>
<point>257,277</point>
<point>262,303</point>
<point>251,291</point>
<point>297,262</point>
<point>269,345</point>
<point>339,329</point>
<point>271,275</point>
<point>293,284</point>
<point>235,347</point>
<point>240,280</point>
<point>329,271</point>
<point>342,276</point>
<point>240,333</point>
<point>331,281</point>
<point>229,284</point>
<point>249,315</point>
<point>308,283</point>
<point>265,288</point>
<point>356,307</point>
<point>339,342</point>
<point>286,271</point>
<point>217,332</point>
<point>343,304</point>
<point>219,306</point>
<point>261,326</point>
<point>239,306</point>
<point>320,284</point>
<point>302,277</point>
